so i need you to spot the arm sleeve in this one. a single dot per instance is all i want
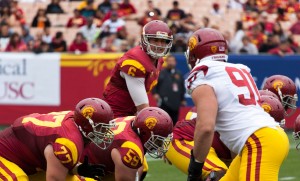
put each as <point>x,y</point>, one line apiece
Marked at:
<point>136,88</point>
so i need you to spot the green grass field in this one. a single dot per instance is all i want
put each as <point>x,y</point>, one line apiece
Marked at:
<point>159,171</point>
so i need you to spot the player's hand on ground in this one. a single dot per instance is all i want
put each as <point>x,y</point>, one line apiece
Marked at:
<point>95,171</point>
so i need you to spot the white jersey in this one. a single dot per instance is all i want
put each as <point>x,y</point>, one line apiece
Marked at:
<point>239,113</point>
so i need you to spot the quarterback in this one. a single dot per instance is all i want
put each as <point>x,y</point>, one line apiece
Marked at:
<point>54,142</point>
<point>149,131</point>
<point>136,72</point>
<point>227,101</point>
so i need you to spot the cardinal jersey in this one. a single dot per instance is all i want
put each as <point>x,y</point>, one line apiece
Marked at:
<point>126,141</point>
<point>239,113</point>
<point>135,63</point>
<point>184,130</point>
<point>25,141</point>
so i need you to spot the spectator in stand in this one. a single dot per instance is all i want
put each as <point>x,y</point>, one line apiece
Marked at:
<point>152,9</point>
<point>124,47</point>
<point>77,20</point>
<point>293,6</point>
<point>127,8</point>
<point>105,6</point>
<point>236,41</point>
<point>5,15</point>
<point>16,44</point>
<point>89,10</point>
<point>41,20</point>
<point>79,44</point>
<point>282,15</point>
<point>115,7</point>
<point>251,5</point>
<point>248,47</point>
<point>216,10</point>
<point>282,49</point>
<point>188,25</point>
<point>109,44</point>
<point>266,24</point>
<point>44,48</point>
<point>54,7</point>
<point>90,30</point>
<point>98,18</point>
<point>256,35</point>
<point>295,28</point>
<point>179,42</point>
<point>175,14</point>
<point>271,6</point>
<point>111,25</point>
<point>294,44</point>
<point>46,37</point>
<point>272,42</point>
<point>4,36</point>
<point>205,22</point>
<point>17,12</point>
<point>26,36</point>
<point>148,16</point>
<point>277,30</point>
<point>58,43</point>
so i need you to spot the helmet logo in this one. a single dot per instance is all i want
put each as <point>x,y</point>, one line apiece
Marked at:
<point>213,49</point>
<point>192,43</point>
<point>266,107</point>
<point>277,84</point>
<point>151,122</point>
<point>87,111</point>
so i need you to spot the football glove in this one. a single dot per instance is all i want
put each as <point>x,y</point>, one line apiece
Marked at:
<point>95,171</point>
<point>195,169</point>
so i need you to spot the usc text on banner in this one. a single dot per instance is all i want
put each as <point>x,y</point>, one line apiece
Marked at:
<point>29,79</point>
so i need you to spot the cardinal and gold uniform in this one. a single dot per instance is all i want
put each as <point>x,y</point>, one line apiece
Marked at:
<point>135,63</point>
<point>126,141</point>
<point>22,144</point>
<point>180,149</point>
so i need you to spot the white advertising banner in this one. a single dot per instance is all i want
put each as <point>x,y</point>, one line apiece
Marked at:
<point>30,79</point>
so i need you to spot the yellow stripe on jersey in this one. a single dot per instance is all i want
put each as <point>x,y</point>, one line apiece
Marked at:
<point>71,146</point>
<point>182,147</point>
<point>133,146</point>
<point>134,63</point>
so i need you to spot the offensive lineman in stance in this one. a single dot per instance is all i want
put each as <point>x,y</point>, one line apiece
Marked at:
<point>54,142</point>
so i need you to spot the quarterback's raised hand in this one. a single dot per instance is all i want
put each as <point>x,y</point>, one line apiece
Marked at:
<point>195,169</point>
<point>95,171</point>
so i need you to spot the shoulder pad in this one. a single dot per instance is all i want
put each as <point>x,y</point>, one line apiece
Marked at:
<point>133,68</point>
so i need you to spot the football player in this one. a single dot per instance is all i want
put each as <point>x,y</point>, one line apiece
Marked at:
<point>136,72</point>
<point>54,142</point>
<point>179,152</point>
<point>274,107</point>
<point>285,89</point>
<point>148,132</point>
<point>296,133</point>
<point>227,101</point>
